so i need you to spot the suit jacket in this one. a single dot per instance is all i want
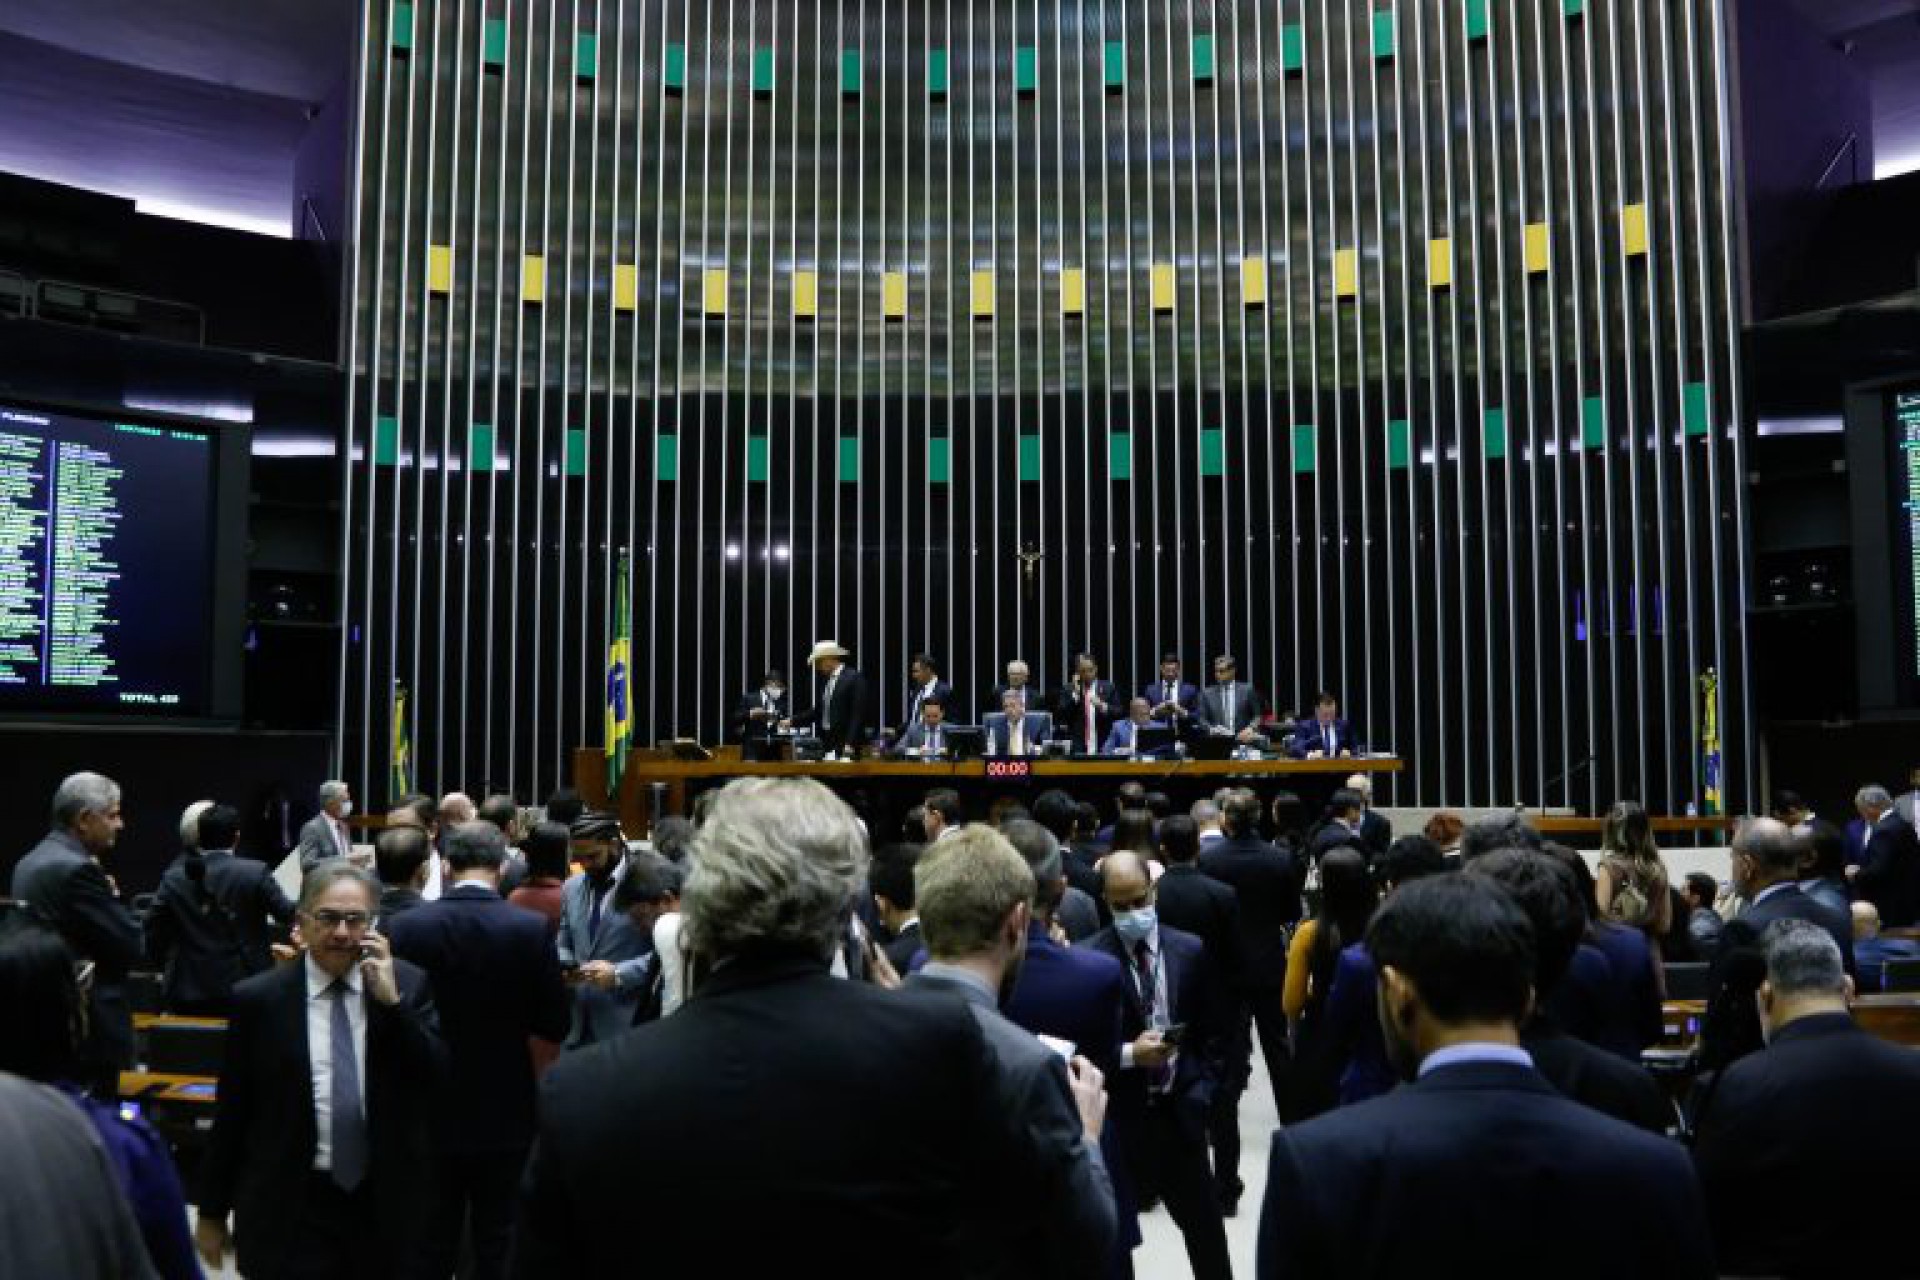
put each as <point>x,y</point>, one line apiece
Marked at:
<point>597,1014</point>
<point>1870,956</point>
<point>63,885</point>
<point>851,712</point>
<point>1266,880</point>
<point>1595,1078</point>
<point>1186,696</point>
<point>317,843</point>
<point>1890,872</point>
<point>918,737</point>
<point>1193,998</point>
<point>1731,1027</point>
<point>1308,737</point>
<point>1805,1152</point>
<point>1079,914</point>
<point>396,901</point>
<point>1072,715</point>
<point>1196,903</point>
<point>1211,711</point>
<point>905,946</point>
<point>1037,728</point>
<point>1480,1169</point>
<point>261,1149</point>
<point>1376,833</point>
<point>942,690</point>
<point>1069,1226</point>
<point>497,982</point>
<point>210,934</point>
<point>1350,1029</point>
<point>744,728</point>
<point>854,1122</point>
<point>1073,994</point>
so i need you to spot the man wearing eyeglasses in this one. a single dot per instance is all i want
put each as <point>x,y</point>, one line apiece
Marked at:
<point>320,1145</point>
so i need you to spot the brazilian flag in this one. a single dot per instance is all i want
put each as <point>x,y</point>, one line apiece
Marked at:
<point>1712,781</point>
<point>619,703</point>
<point>401,780</point>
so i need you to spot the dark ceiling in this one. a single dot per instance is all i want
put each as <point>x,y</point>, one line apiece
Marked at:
<point>1885,37</point>
<point>192,106</point>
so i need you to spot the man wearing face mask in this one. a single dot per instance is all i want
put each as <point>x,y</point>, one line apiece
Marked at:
<point>1169,1060</point>
<point>603,953</point>
<point>1477,1166</point>
<point>326,835</point>
<point>975,897</point>
<point>759,711</point>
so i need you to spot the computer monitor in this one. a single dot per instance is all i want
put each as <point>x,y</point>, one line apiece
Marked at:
<point>965,741</point>
<point>1202,745</point>
<point>1154,740</point>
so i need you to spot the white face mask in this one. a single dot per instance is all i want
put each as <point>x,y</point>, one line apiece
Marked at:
<point>346,808</point>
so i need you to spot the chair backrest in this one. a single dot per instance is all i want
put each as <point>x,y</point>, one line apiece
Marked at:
<point>186,1049</point>
<point>1688,981</point>
<point>1902,975</point>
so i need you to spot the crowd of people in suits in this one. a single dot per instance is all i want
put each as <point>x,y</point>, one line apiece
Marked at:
<point>769,1039</point>
<point>1087,715</point>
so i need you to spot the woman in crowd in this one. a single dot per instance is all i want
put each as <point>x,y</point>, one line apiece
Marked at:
<point>1631,884</point>
<point>1347,900</point>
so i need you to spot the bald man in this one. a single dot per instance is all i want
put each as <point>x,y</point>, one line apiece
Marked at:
<point>1871,951</point>
<point>1169,1060</point>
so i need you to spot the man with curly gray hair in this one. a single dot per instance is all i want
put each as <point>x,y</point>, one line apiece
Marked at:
<point>780,1114</point>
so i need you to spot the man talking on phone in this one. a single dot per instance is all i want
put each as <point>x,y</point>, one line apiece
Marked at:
<point>320,1146</point>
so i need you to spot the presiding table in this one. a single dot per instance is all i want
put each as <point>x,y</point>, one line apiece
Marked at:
<point>1082,775</point>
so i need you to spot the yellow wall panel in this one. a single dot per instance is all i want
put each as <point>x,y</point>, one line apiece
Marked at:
<point>713,291</point>
<point>893,295</point>
<point>1073,291</point>
<point>1253,281</point>
<point>440,268</point>
<point>983,295</point>
<point>1539,248</point>
<point>533,278</point>
<point>1163,283</point>
<point>1346,273</point>
<point>806,294</point>
<point>1440,263</point>
<point>626,286</point>
<point>1633,229</point>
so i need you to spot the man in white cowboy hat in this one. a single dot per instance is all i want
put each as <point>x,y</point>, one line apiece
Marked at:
<point>840,717</point>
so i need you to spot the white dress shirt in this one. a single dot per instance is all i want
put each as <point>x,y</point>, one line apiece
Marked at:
<point>320,1051</point>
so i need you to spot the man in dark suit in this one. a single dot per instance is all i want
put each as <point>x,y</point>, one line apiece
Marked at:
<point>758,711</point>
<point>1550,896</point>
<point>1015,730</point>
<point>401,856</point>
<point>1230,705</point>
<point>1170,699</point>
<point>1326,736</point>
<point>497,982</point>
<point>320,1141</point>
<point>1193,902</point>
<point>61,881</point>
<point>853,1121</point>
<point>840,719</point>
<point>1766,869</point>
<point>325,834</point>
<point>1020,685</point>
<point>1266,881</point>
<point>1087,706</point>
<point>1478,1167</point>
<point>1889,875</point>
<point>1164,1093</point>
<point>926,738</point>
<point>1059,813</point>
<point>1341,830</point>
<point>923,682</point>
<point>1805,1149</point>
<point>890,881</point>
<point>207,929</point>
<point>975,893</point>
<point>1376,833</point>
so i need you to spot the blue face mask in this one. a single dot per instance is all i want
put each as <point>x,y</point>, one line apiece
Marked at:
<point>1135,926</point>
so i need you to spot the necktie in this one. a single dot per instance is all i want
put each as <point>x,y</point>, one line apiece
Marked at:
<point>1016,744</point>
<point>1093,732</point>
<point>1231,722</point>
<point>1143,966</point>
<point>593,912</point>
<point>826,702</point>
<point>933,743</point>
<point>349,1120</point>
<point>1168,695</point>
<point>340,836</point>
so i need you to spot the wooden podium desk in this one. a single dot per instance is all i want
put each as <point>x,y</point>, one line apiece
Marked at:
<point>646,768</point>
